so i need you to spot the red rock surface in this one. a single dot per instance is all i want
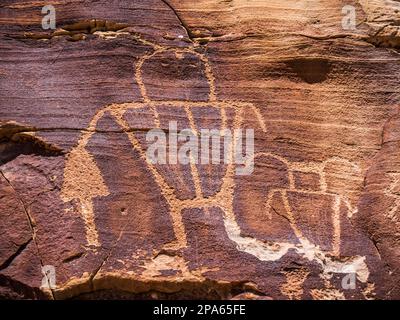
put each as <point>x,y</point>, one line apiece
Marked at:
<point>77,193</point>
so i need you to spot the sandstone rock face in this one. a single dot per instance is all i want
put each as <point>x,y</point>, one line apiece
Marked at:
<point>85,215</point>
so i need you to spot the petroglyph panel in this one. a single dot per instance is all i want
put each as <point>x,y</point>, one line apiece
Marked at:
<point>79,192</point>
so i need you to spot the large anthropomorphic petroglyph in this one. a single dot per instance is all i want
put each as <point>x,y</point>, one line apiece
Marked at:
<point>81,161</point>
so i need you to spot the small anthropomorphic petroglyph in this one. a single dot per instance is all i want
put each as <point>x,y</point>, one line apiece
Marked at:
<point>322,189</point>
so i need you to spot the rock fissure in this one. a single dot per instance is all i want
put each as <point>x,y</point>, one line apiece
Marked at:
<point>21,248</point>
<point>32,225</point>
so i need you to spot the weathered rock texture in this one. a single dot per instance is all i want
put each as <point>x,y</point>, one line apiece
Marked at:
<point>77,194</point>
